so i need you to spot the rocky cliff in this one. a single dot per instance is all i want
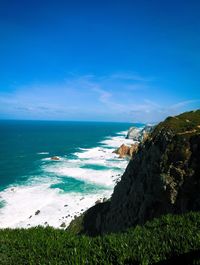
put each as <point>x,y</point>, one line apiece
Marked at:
<point>134,133</point>
<point>162,177</point>
<point>126,151</point>
<point>139,134</point>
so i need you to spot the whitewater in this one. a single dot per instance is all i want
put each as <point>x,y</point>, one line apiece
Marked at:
<point>64,188</point>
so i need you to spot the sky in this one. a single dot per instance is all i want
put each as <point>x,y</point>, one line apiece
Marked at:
<point>99,60</point>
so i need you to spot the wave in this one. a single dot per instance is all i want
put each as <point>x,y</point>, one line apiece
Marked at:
<point>93,173</point>
<point>29,206</point>
<point>115,142</point>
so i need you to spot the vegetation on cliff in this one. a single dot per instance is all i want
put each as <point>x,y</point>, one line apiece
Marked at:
<point>172,238</point>
<point>162,177</point>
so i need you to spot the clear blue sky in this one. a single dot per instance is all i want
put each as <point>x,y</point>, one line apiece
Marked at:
<point>106,60</point>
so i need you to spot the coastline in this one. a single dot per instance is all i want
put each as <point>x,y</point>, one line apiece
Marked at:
<point>36,203</point>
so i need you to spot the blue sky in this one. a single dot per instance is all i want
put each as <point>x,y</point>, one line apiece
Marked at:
<point>104,60</point>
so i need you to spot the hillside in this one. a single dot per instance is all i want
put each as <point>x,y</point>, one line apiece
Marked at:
<point>162,177</point>
<point>175,239</point>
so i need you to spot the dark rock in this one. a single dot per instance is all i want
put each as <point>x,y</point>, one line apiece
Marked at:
<point>37,212</point>
<point>63,225</point>
<point>97,202</point>
<point>162,177</point>
<point>55,158</point>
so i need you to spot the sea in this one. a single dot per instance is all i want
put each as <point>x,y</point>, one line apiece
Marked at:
<point>36,190</point>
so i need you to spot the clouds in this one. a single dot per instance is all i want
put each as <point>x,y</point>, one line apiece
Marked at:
<point>153,112</point>
<point>104,96</point>
<point>115,97</point>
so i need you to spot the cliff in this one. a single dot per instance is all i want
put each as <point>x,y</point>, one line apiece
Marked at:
<point>134,133</point>
<point>162,177</point>
<point>139,134</point>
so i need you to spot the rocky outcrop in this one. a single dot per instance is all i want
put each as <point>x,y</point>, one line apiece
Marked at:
<point>55,158</point>
<point>162,177</point>
<point>144,133</point>
<point>139,134</point>
<point>126,151</point>
<point>133,133</point>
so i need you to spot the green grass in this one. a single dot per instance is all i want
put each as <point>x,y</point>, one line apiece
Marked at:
<point>157,240</point>
<point>187,121</point>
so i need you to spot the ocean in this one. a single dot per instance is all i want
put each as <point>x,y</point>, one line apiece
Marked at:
<point>36,190</point>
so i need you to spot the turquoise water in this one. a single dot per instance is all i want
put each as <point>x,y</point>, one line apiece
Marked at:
<point>71,184</point>
<point>2,203</point>
<point>22,142</point>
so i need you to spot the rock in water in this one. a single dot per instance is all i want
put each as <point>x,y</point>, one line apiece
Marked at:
<point>125,150</point>
<point>55,158</point>
<point>162,177</point>
<point>37,212</point>
<point>122,151</point>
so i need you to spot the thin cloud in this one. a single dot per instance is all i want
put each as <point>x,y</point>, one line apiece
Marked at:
<point>130,77</point>
<point>184,103</point>
<point>84,97</point>
<point>104,96</point>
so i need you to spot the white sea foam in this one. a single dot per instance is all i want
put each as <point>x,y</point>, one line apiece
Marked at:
<point>115,142</point>
<point>99,153</point>
<point>98,156</point>
<point>22,204</point>
<point>124,133</point>
<point>37,194</point>
<point>43,153</point>
<point>94,176</point>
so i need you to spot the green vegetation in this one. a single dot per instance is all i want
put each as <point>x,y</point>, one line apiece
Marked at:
<point>171,158</point>
<point>157,240</point>
<point>186,123</point>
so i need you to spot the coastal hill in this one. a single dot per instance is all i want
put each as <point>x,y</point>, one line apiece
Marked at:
<point>162,177</point>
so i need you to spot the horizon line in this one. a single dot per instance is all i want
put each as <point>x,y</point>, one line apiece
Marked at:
<point>92,121</point>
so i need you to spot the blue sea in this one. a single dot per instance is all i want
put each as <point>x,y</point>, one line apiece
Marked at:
<point>36,190</point>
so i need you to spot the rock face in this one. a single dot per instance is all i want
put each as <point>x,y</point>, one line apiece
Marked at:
<point>145,132</point>
<point>133,133</point>
<point>162,177</point>
<point>138,134</point>
<point>125,150</point>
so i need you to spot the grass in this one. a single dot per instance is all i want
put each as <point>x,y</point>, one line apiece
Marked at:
<point>185,122</point>
<point>157,240</point>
